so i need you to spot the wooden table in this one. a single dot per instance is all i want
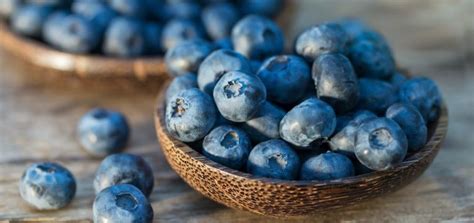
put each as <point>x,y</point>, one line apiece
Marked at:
<point>38,114</point>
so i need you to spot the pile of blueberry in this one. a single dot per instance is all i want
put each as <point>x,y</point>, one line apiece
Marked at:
<point>123,182</point>
<point>129,28</point>
<point>335,108</point>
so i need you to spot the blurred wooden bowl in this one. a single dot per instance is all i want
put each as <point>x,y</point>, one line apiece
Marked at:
<point>282,198</point>
<point>90,65</point>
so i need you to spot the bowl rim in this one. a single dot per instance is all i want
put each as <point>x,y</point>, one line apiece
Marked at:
<point>436,136</point>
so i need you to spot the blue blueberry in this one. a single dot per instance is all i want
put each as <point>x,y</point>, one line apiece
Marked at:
<point>257,37</point>
<point>380,144</point>
<point>179,30</point>
<point>29,19</point>
<point>122,203</point>
<point>153,38</point>
<point>8,7</point>
<point>124,37</point>
<point>321,39</point>
<point>186,56</point>
<point>284,74</point>
<point>238,96</point>
<point>312,121</point>
<point>180,83</point>
<point>327,166</point>
<point>227,145</point>
<point>353,27</point>
<point>102,132</point>
<point>130,8</point>
<point>397,80</point>
<point>344,140</point>
<point>183,9</point>
<point>424,94</point>
<point>374,37</point>
<point>225,43</point>
<point>190,115</point>
<point>376,95</point>
<point>371,60</point>
<point>124,168</point>
<point>265,125</point>
<point>412,123</point>
<point>219,18</point>
<point>96,12</point>
<point>53,28</point>
<point>269,8</point>
<point>47,186</point>
<point>217,64</point>
<point>274,159</point>
<point>335,82</point>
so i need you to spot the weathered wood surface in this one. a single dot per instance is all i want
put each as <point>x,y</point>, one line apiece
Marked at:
<point>38,114</point>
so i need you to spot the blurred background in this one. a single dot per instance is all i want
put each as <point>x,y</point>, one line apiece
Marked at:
<point>39,111</point>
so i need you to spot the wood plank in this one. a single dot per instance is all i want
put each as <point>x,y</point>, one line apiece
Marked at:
<point>38,114</point>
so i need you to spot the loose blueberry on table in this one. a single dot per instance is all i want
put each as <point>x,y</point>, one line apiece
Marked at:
<point>334,109</point>
<point>122,203</point>
<point>102,132</point>
<point>124,168</point>
<point>47,186</point>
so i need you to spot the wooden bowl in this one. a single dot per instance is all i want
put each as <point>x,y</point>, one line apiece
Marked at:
<point>88,65</point>
<point>284,198</point>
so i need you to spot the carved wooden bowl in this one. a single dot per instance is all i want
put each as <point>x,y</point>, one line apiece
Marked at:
<point>284,198</point>
<point>89,65</point>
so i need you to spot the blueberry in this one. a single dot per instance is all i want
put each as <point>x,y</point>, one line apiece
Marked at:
<point>47,186</point>
<point>122,203</point>
<point>327,166</point>
<point>219,18</point>
<point>397,80</point>
<point>125,37</point>
<point>186,56</point>
<point>283,74</point>
<point>183,9</point>
<point>190,115</point>
<point>180,83</point>
<point>152,38</point>
<point>102,132</point>
<point>265,124</point>
<point>78,35</point>
<point>344,140</point>
<point>238,96</point>
<point>318,40</point>
<point>225,43</point>
<point>227,145</point>
<point>424,94</point>
<point>257,37</point>
<point>124,168</point>
<point>376,95</point>
<point>130,8</point>
<point>274,159</point>
<point>53,28</point>
<point>371,60</point>
<point>380,144</point>
<point>8,7</point>
<point>311,121</point>
<point>269,8</point>
<point>96,12</point>
<point>217,64</point>
<point>29,20</point>
<point>179,30</point>
<point>336,82</point>
<point>374,37</point>
<point>411,122</point>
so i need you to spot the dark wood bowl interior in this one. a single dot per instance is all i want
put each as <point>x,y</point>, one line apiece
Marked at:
<point>283,198</point>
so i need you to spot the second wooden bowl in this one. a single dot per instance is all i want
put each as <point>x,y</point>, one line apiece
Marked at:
<point>290,198</point>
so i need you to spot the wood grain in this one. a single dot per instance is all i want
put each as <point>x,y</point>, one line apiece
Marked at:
<point>430,37</point>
